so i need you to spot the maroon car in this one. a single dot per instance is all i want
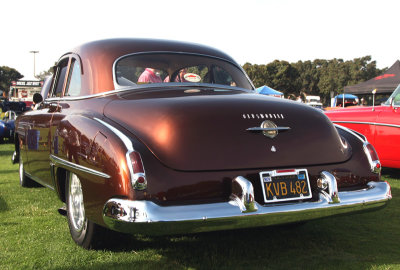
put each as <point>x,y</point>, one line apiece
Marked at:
<point>162,137</point>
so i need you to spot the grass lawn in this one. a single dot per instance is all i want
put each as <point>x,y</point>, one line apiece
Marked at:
<point>34,236</point>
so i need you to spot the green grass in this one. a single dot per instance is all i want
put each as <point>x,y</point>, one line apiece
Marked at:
<point>34,236</point>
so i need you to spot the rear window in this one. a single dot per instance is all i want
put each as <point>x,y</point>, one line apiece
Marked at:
<point>165,68</point>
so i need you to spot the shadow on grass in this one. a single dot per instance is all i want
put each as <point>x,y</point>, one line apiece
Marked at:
<point>5,153</point>
<point>3,205</point>
<point>307,247</point>
<point>391,173</point>
<point>9,171</point>
<point>361,241</point>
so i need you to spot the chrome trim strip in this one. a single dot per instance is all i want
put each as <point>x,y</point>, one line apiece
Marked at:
<point>78,167</point>
<point>129,146</point>
<point>375,164</point>
<point>367,123</point>
<point>150,218</point>
<point>122,136</point>
<point>361,137</point>
<point>267,129</point>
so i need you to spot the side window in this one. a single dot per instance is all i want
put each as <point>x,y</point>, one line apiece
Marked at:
<point>396,99</point>
<point>221,76</point>
<point>61,74</point>
<point>74,79</point>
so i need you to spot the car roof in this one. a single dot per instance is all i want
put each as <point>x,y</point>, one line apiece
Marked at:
<point>98,57</point>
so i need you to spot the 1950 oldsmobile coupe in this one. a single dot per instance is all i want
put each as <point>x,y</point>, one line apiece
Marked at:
<point>162,137</point>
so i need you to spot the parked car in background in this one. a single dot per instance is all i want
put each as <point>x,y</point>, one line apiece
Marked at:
<point>163,137</point>
<point>7,126</point>
<point>314,101</point>
<point>15,106</point>
<point>343,100</point>
<point>380,124</point>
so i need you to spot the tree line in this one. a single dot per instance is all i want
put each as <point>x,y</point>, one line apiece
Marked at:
<point>319,77</point>
<point>7,75</point>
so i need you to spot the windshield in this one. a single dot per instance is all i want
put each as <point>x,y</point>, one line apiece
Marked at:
<point>164,68</point>
<point>394,97</point>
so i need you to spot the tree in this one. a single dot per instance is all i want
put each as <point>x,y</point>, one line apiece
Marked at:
<point>319,77</point>
<point>7,75</point>
<point>284,77</point>
<point>42,75</point>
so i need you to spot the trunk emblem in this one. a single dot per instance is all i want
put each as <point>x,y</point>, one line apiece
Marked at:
<point>273,149</point>
<point>268,128</point>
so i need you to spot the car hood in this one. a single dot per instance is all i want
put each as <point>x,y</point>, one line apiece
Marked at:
<point>198,129</point>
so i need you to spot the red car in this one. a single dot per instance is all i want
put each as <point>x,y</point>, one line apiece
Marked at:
<point>380,124</point>
<point>163,137</point>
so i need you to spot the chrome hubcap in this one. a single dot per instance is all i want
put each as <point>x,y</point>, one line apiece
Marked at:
<point>21,171</point>
<point>75,203</point>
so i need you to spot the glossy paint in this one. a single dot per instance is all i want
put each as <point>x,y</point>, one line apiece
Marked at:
<point>193,140</point>
<point>381,126</point>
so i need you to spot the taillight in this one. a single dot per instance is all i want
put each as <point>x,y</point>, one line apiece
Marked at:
<point>138,176</point>
<point>373,158</point>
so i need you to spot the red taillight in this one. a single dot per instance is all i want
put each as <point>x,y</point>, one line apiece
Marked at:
<point>373,158</point>
<point>372,152</point>
<point>136,161</point>
<point>138,176</point>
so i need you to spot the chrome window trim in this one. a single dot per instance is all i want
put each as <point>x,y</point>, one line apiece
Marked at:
<point>84,97</point>
<point>117,86</point>
<point>367,123</point>
<point>81,168</point>
<point>128,88</point>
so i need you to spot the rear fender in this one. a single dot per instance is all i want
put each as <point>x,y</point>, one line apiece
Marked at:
<point>97,156</point>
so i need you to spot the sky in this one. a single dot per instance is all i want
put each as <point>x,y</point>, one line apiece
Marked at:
<point>253,31</point>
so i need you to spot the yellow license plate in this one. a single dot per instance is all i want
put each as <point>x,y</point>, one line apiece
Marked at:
<point>285,185</point>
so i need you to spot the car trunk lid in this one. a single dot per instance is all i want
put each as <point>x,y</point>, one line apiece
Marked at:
<point>207,129</point>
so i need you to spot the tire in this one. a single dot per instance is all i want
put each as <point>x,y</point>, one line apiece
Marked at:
<point>84,232</point>
<point>24,180</point>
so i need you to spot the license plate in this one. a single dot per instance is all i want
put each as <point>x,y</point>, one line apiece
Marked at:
<point>285,185</point>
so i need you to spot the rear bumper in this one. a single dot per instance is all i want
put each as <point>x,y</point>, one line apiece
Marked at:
<point>146,217</point>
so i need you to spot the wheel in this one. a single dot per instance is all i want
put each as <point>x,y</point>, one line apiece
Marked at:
<point>24,180</point>
<point>84,232</point>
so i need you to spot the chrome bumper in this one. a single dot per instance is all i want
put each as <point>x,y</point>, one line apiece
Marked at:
<point>146,217</point>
